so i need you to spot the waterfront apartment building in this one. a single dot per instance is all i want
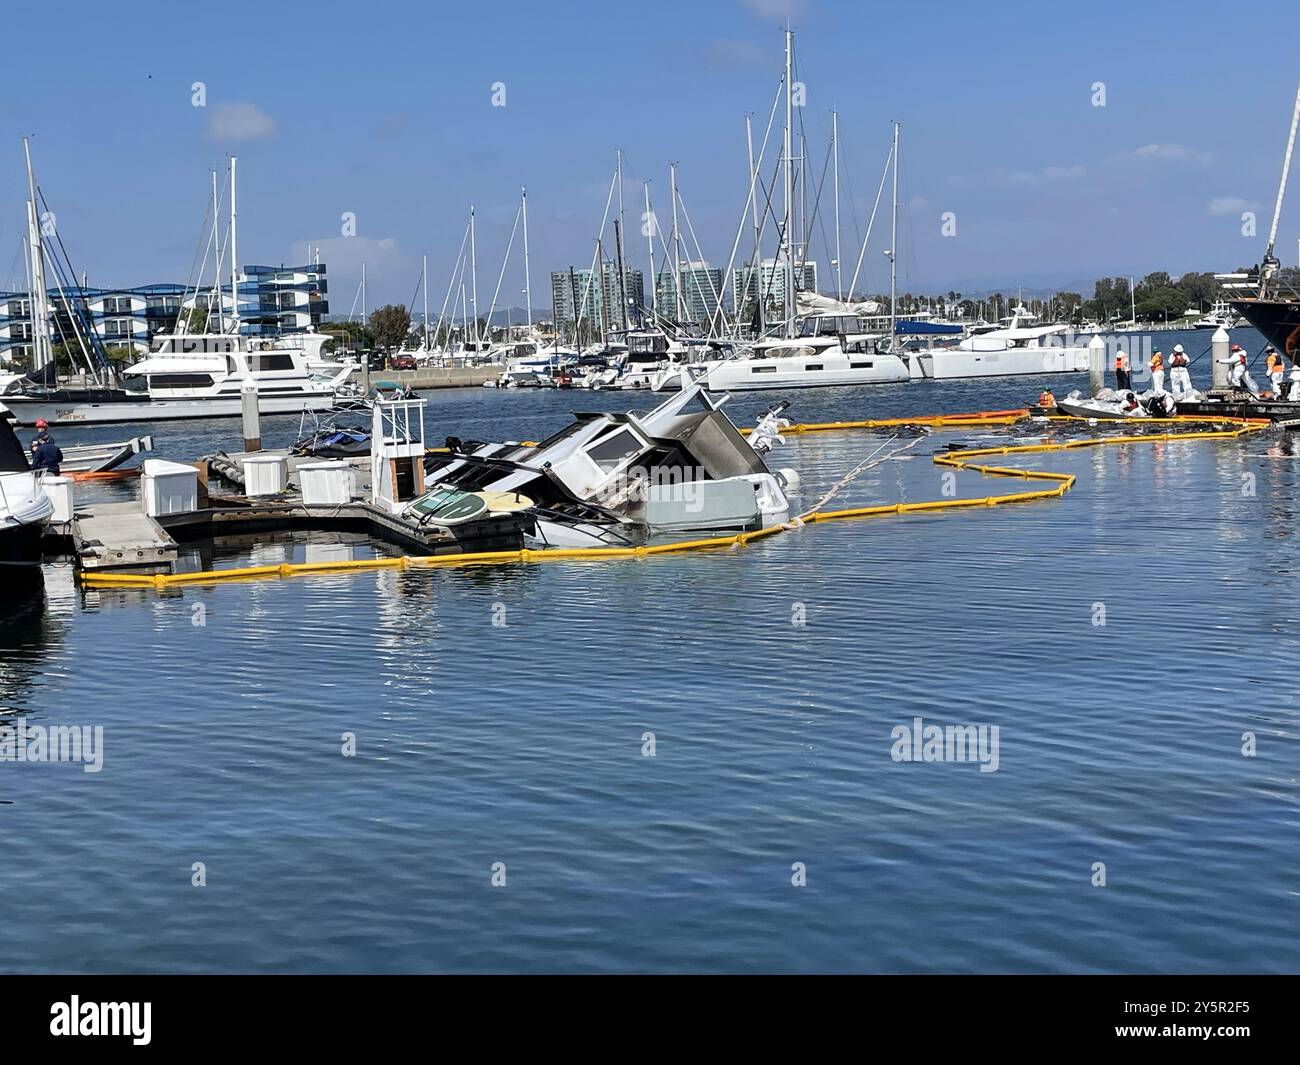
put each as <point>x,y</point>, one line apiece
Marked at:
<point>769,279</point>
<point>573,292</point>
<point>701,293</point>
<point>272,300</point>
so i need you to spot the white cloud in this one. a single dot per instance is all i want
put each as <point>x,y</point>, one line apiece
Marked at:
<point>1048,173</point>
<point>1229,205</point>
<point>240,122</point>
<point>1172,151</point>
<point>781,9</point>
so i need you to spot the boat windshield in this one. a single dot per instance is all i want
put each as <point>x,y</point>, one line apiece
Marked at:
<point>830,325</point>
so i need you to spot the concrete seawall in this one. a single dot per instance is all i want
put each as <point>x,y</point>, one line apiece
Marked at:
<point>439,376</point>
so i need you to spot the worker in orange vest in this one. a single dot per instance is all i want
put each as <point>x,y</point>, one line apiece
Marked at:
<point>1122,379</point>
<point>1276,370</point>
<point>1046,401</point>
<point>1158,371</point>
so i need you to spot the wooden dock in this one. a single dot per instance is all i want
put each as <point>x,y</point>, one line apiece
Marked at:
<point>120,536</point>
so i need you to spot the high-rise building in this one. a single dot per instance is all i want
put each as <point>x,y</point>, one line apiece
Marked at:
<point>272,300</point>
<point>701,293</point>
<point>573,292</point>
<point>769,280</point>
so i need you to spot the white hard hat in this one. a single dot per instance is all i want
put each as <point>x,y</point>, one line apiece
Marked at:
<point>1178,347</point>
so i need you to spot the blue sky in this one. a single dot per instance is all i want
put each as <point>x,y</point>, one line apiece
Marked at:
<point>384,110</point>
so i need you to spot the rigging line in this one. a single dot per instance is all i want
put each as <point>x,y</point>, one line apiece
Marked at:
<point>460,258</point>
<point>871,222</point>
<point>868,463</point>
<point>506,262</point>
<point>604,221</point>
<point>744,213</point>
<point>695,274</point>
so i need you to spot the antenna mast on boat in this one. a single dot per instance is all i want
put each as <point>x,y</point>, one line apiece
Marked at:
<point>234,252</point>
<point>893,255</point>
<point>528,285</point>
<point>42,351</point>
<point>1270,264</point>
<point>789,186</point>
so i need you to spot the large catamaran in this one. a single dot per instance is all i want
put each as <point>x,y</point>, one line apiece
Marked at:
<point>186,375</point>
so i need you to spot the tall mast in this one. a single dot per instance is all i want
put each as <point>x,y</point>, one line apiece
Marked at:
<point>528,285</point>
<point>789,186</point>
<point>234,252</point>
<point>650,226</point>
<point>677,256</point>
<point>473,279</point>
<point>835,142</point>
<point>424,274</point>
<point>622,271</point>
<point>216,264</point>
<point>43,352</point>
<point>756,271</point>
<point>1270,264</point>
<point>893,256</point>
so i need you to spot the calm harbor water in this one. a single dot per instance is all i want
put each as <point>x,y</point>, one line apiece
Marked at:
<point>523,741</point>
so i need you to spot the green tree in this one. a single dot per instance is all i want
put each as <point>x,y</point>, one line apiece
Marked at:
<point>390,325</point>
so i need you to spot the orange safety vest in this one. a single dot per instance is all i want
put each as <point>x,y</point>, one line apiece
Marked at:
<point>1275,364</point>
<point>1121,361</point>
<point>1046,399</point>
<point>1157,363</point>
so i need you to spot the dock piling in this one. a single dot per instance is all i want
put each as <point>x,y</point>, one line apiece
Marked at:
<point>251,416</point>
<point>1219,348</point>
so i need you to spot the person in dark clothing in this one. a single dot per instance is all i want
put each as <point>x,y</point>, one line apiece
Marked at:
<point>47,456</point>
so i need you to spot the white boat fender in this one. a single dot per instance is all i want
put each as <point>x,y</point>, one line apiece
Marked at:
<point>789,479</point>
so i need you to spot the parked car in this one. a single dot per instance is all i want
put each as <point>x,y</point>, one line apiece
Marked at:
<point>403,362</point>
<point>377,363</point>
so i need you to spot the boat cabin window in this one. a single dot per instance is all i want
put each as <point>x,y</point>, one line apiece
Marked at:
<point>195,345</point>
<point>647,345</point>
<point>830,326</point>
<point>279,361</point>
<point>611,451</point>
<point>180,380</point>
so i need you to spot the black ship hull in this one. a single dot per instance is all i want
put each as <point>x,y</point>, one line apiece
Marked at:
<point>1278,320</point>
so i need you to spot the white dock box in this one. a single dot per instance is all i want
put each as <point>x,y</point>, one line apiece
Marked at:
<point>59,489</point>
<point>265,475</point>
<point>169,488</point>
<point>325,484</point>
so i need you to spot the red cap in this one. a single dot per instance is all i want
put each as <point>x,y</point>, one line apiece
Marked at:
<point>41,423</point>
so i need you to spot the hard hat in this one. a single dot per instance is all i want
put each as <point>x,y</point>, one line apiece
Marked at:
<point>1178,347</point>
<point>41,423</point>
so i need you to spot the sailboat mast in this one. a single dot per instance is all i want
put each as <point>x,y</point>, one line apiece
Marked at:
<point>1270,263</point>
<point>650,226</point>
<point>216,263</point>
<point>234,252</point>
<point>835,142</point>
<point>528,285</point>
<point>893,255</point>
<point>43,352</point>
<point>677,256</point>
<point>473,280</point>
<point>789,185</point>
<point>424,274</point>
<point>756,270</point>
